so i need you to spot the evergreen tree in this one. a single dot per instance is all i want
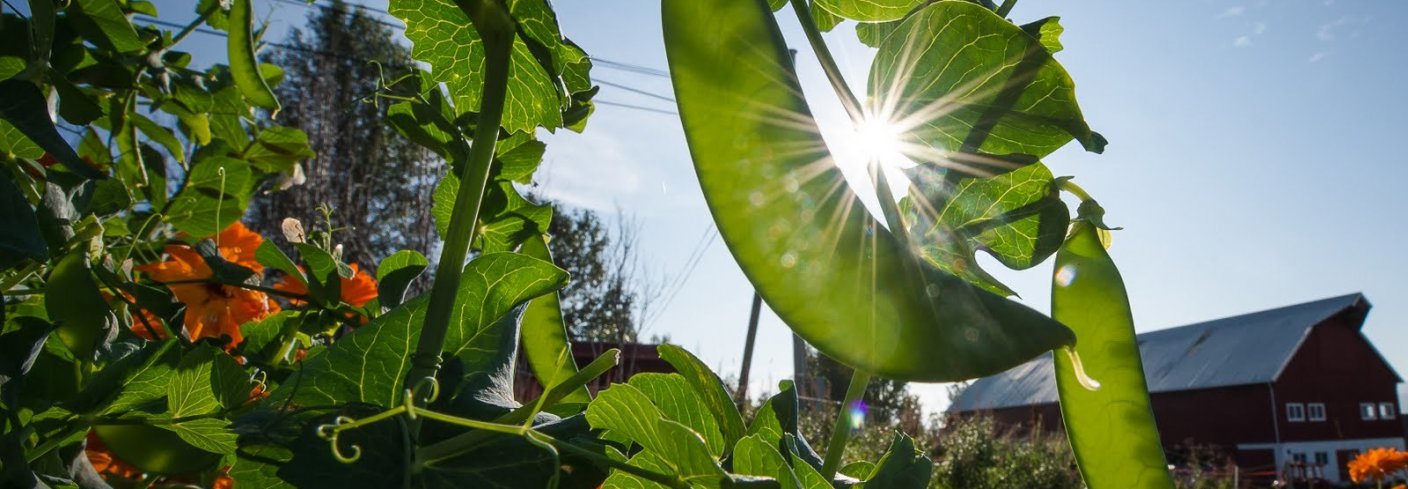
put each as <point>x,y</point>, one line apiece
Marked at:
<point>376,183</point>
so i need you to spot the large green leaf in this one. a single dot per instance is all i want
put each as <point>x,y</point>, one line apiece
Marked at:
<point>214,196</point>
<point>978,85</point>
<point>23,106</point>
<point>22,238</point>
<point>244,66</point>
<point>902,467</point>
<point>545,343</point>
<point>111,23</point>
<point>627,410</point>
<point>370,365</point>
<point>709,388</point>
<point>1017,217</point>
<point>756,456</point>
<point>443,37</point>
<point>801,236</point>
<point>208,434</point>
<point>1112,429</point>
<point>677,400</point>
<point>205,381</point>
<point>870,10</point>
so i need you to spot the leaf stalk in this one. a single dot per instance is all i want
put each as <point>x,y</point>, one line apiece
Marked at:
<point>841,431</point>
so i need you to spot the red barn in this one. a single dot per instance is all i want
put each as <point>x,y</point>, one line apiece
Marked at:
<point>1297,389</point>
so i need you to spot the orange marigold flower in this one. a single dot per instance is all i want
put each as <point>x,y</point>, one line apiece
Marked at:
<point>223,482</point>
<point>1377,465</point>
<point>105,463</point>
<point>357,291</point>
<point>213,310</point>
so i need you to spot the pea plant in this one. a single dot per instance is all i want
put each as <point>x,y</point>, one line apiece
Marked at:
<point>151,340</point>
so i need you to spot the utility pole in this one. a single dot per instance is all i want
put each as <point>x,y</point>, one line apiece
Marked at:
<point>741,395</point>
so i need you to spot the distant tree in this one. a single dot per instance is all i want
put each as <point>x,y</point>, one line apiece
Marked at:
<point>609,295</point>
<point>377,184</point>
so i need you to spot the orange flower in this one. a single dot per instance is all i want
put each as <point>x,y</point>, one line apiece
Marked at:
<point>107,465</point>
<point>1377,465</point>
<point>357,291</point>
<point>214,310</point>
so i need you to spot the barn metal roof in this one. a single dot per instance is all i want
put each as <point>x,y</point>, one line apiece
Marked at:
<point>1238,350</point>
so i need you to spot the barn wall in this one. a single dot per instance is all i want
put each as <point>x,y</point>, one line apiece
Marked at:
<point>1337,366</point>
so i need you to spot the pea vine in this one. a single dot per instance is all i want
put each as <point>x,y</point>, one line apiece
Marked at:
<point>150,339</point>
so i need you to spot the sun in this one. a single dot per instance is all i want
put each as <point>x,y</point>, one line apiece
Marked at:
<point>871,144</point>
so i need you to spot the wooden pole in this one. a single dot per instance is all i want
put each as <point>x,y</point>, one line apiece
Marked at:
<point>741,395</point>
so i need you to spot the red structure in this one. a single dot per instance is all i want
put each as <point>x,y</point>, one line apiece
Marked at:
<point>635,358</point>
<point>1293,392</point>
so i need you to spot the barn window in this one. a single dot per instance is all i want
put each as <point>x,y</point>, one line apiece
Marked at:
<point>1295,412</point>
<point>1386,410</point>
<point>1315,411</point>
<point>1322,458</point>
<point>1367,411</point>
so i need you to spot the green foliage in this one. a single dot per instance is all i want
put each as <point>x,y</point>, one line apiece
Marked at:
<point>973,454</point>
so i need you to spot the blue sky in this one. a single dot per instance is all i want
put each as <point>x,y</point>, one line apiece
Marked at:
<point>1252,160</point>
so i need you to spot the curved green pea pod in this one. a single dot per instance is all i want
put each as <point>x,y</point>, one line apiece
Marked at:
<point>244,67</point>
<point>1112,428</point>
<point>809,247</point>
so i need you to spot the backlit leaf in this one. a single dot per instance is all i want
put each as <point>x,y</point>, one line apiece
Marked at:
<point>545,343</point>
<point>212,199</point>
<point>980,84</point>
<point>829,270</point>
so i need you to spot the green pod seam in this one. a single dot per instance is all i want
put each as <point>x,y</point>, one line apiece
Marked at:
<point>813,252</point>
<point>1111,429</point>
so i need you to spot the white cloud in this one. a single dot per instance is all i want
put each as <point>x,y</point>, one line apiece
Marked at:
<point>1317,56</point>
<point>1329,30</point>
<point>1242,41</point>
<point>1258,28</point>
<point>1232,12</point>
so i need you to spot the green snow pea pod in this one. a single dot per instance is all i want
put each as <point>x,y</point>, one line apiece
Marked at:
<point>1110,428</point>
<point>813,252</point>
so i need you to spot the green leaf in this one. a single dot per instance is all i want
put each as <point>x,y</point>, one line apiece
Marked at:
<point>678,401</point>
<point>324,275</point>
<point>395,274</point>
<point>873,33</point>
<point>108,18</point>
<point>22,237</point>
<point>755,456</point>
<point>901,467</point>
<point>803,239</point>
<point>205,381</point>
<point>980,85</point>
<point>1111,430</point>
<point>140,380</point>
<point>270,255</point>
<point>442,36</point>
<point>244,66</point>
<point>14,145</point>
<point>824,19</point>
<point>1017,217</point>
<point>259,335</point>
<point>627,410</point>
<point>870,10</point>
<point>74,304</point>
<point>370,365</point>
<point>161,135</point>
<point>545,343</point>
<point>443,202</point>
<point>75,106</point>
<point>519,162</point>
<point>709,388</point>
<point>24,106</point>
<point>277,149</point>
<point>209,434</point>
<point>1048,32</point>
<point>210,201</point>
<point>776,421</point>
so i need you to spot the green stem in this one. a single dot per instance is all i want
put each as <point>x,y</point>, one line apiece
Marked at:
<point>466,441</point>
<point>289,337</point>
<point>1069,186</point>
<point>496,29</point>
<point>1006,8</point>
<point>828,63</point>
<point>841,431</point>
<point>600,459</point>
<point>190,28</point>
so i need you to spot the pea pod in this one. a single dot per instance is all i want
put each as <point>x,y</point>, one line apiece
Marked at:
<point>154,450</point>
<point>1111,429</point>
<point>821,262</point>
<point>244,67</point>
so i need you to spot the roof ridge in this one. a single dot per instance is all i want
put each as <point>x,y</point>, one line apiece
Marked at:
<point>1239,319</point>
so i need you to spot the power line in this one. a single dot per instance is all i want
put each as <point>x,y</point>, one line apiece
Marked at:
<point>635,107</point>
<point>643,70</point>
<point>634,90</point>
